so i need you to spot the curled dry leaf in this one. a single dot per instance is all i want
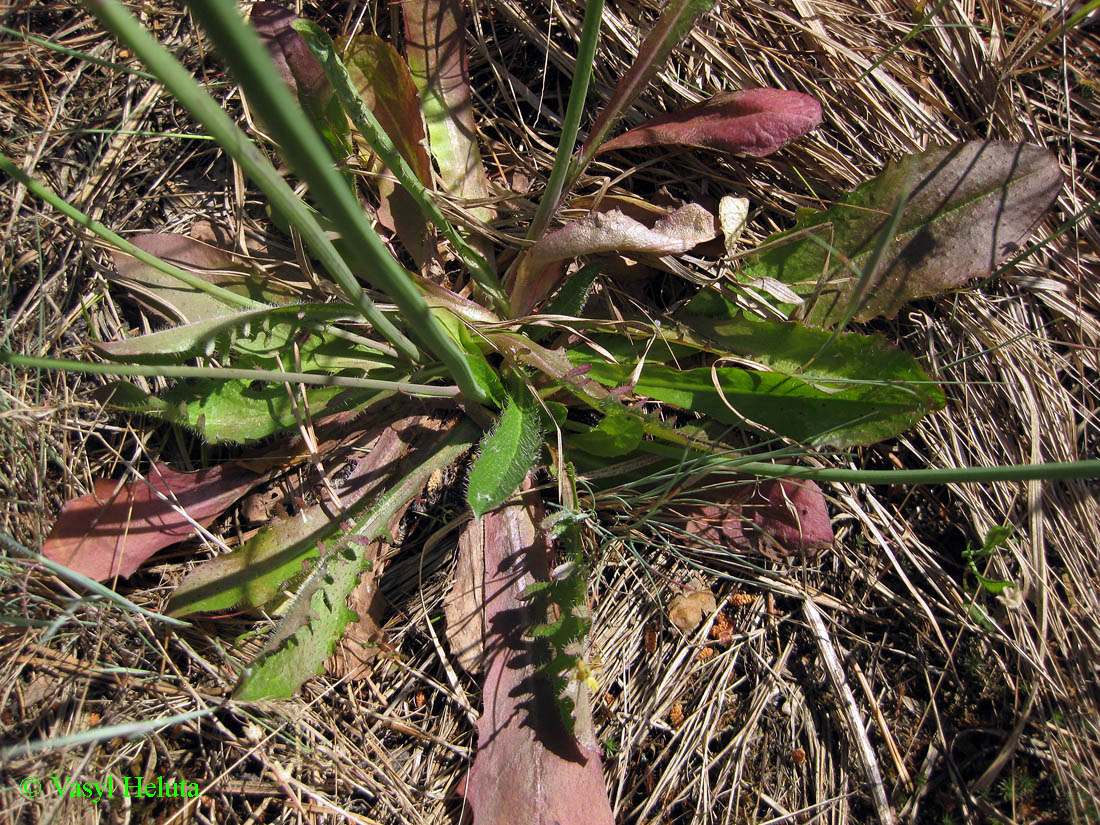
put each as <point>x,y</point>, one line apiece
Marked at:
<point>753,122</point>
<point>602,232</point>
<point>114,529</point>
<point>687,610</point>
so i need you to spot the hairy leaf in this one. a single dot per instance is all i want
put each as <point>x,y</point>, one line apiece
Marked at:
<point>817,411</point>
<point>616,435</point>
<point>309,631</point>
<point>171,345</point>
<point>255,572</point>
<point>962,211</point>
<point>232,410</point>
<point>600,232</point>
<point>113,530</point>
<point>507,453</point>
<point>527,767</point>
<point>753,122</point>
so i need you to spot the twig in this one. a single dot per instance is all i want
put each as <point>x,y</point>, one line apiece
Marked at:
<point>851,712</point>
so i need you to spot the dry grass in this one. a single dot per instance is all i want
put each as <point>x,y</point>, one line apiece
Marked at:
<point>973,708</point>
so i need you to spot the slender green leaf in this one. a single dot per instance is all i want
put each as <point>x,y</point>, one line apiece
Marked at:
<point>578,95</point>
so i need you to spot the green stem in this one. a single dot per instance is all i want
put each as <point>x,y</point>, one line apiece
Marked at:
<point>241,48</point>
<point>582,76</point>
<point>323,49</point>
<point>273,376</point>
<point>950,475</point>
<point>95,227</point>
<point>206,110</point>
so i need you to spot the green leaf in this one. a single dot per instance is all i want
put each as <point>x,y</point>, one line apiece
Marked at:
<point>958,212</point>
<point>573,294</point>
<point>615,436</point>
<point>821,412</point>
<point>308,633</point>
<point>794,349</point>
<point>171,345</point>
<point>233,410</point>
<point>258,570</point>
<point>507,453</point>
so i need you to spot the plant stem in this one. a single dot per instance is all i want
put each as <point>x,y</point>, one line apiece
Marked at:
<point>68,210</point>
<point>241,48</point>
<point>582,76</point>
<point>206,110</point>
<point>323,49</point>
<point>273,376</point>
<point>1065,470</point>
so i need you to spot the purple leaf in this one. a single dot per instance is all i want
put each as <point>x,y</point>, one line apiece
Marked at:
<point>113,530</point>
<point>961,211</point>
<point>790,514</point>
<point>672,27</point>
<point>527,768</point>
<point>295,62</point>
<point>752,122</point>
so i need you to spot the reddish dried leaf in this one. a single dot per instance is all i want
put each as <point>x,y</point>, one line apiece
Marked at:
<point>295,62</point>
<point>752,122</point>
<point>791,514</point>
<point>527,768</point>
<point>382,79</point>
<point>112,531</point>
